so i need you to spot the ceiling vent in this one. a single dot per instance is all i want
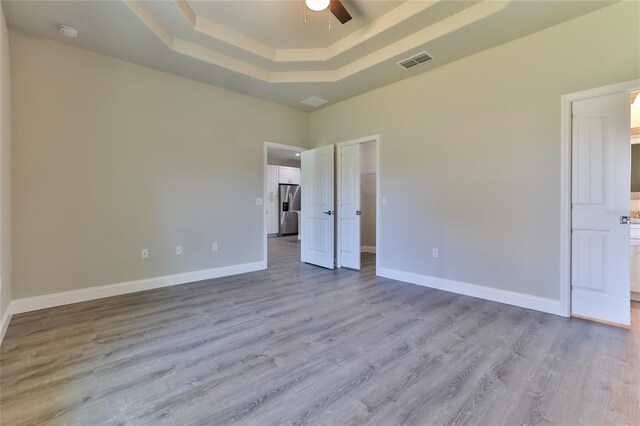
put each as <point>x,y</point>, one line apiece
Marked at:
<point>418,59</point>
<point>314,101</point>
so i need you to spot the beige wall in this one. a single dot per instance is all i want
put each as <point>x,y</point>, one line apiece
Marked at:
<point>470,152</point>
<point>5,167</point>
<point>110,158</point>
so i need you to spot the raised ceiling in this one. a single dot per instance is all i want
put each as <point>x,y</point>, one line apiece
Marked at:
<point>264,48</point>
<point>273,22</point>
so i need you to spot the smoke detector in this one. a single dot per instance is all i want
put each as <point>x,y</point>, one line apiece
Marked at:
<point>68,31</point>
<point>418,59</point>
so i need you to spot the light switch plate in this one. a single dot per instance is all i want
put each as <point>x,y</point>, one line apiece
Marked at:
<point>384,201</point>
<point>214,246</point>
<point>178,250</point>
<point>145,253</point>
<point>259,201</point>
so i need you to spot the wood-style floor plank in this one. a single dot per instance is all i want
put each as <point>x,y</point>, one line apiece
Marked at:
<point>297,344</point>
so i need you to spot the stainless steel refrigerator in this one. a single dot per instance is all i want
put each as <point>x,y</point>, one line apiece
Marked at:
<point>289,206</point>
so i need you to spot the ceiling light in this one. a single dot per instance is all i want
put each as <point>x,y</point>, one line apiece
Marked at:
<point>317,5</point>
<point>68,31</point>
<point>297,154</point>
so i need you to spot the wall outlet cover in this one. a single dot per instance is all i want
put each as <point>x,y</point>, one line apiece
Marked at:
<point>178,250</point>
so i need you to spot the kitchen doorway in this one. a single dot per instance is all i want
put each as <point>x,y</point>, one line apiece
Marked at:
<point>282,190</point>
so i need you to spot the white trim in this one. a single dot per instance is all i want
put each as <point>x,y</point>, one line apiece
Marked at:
<point>372,138</point>
<point>565,180</point>
<point>367,249</point>
<point>522,300</point>
<point>265,225</point>
<point>6,319</point>
<point>64,298</point>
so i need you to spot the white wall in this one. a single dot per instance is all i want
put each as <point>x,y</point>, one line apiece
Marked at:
<point>368,164</point>
<point>5,170</point>
<point>470,152</point>
<point>111,157</point>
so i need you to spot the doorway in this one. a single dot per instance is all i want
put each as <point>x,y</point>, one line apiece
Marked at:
<point>357,202</point>
<point>596,178</point>
<point>282,189</point>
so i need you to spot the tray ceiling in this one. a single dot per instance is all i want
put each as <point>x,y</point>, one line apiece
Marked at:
<point>264,49</point>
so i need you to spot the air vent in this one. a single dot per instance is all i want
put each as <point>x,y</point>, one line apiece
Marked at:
<point>314,101</point>
<point>418,59</point>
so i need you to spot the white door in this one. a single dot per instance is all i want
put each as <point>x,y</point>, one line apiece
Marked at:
<point>349,206</point>
<point>318,210</point>
<point>601,180</point>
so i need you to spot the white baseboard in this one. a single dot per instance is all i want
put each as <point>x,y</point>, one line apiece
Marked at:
<point>542,304</point>
<point>368,249</point>
<point>6,319</point>
<point>64,298</point>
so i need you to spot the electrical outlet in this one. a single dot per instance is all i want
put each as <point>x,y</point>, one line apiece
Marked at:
<point>178,250</point>
<point>145,253</point>
<point>435,253</point>
<point>214,246</point>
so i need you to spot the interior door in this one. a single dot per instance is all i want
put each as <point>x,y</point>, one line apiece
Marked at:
<point>601,179</point>
<point>318,210</point>
<point>349,206</point>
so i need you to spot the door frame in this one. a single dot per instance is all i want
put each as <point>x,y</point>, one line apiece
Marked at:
<point>566,158</point>
<point>265,224</point>
<point>339,146</point>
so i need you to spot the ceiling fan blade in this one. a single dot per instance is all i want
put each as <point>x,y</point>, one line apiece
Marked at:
<point>339,11</point>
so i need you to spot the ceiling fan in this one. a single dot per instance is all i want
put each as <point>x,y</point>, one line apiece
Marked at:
<point>334,6</point>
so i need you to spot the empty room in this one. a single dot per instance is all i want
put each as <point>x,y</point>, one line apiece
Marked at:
<point>362,212</point>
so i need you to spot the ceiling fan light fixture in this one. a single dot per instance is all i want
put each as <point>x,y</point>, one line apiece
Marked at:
<point>317,5</point>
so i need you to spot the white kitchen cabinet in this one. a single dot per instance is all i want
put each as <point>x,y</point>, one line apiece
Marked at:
<point>272,181</point>
<point>295,176</point>
<point>272,215</point>
<point>289,175</point>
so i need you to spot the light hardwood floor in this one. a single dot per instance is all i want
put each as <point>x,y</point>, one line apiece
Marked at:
<point>298,344</point>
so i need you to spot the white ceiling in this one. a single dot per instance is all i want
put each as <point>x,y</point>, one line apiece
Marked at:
<point>263,48</point>
<point>274,22</point>
<point>275,155</point>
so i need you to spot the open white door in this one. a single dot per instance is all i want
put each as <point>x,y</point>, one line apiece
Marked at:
<point>318,210</point>
<point>349,206</point>
<point>601,176</point>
